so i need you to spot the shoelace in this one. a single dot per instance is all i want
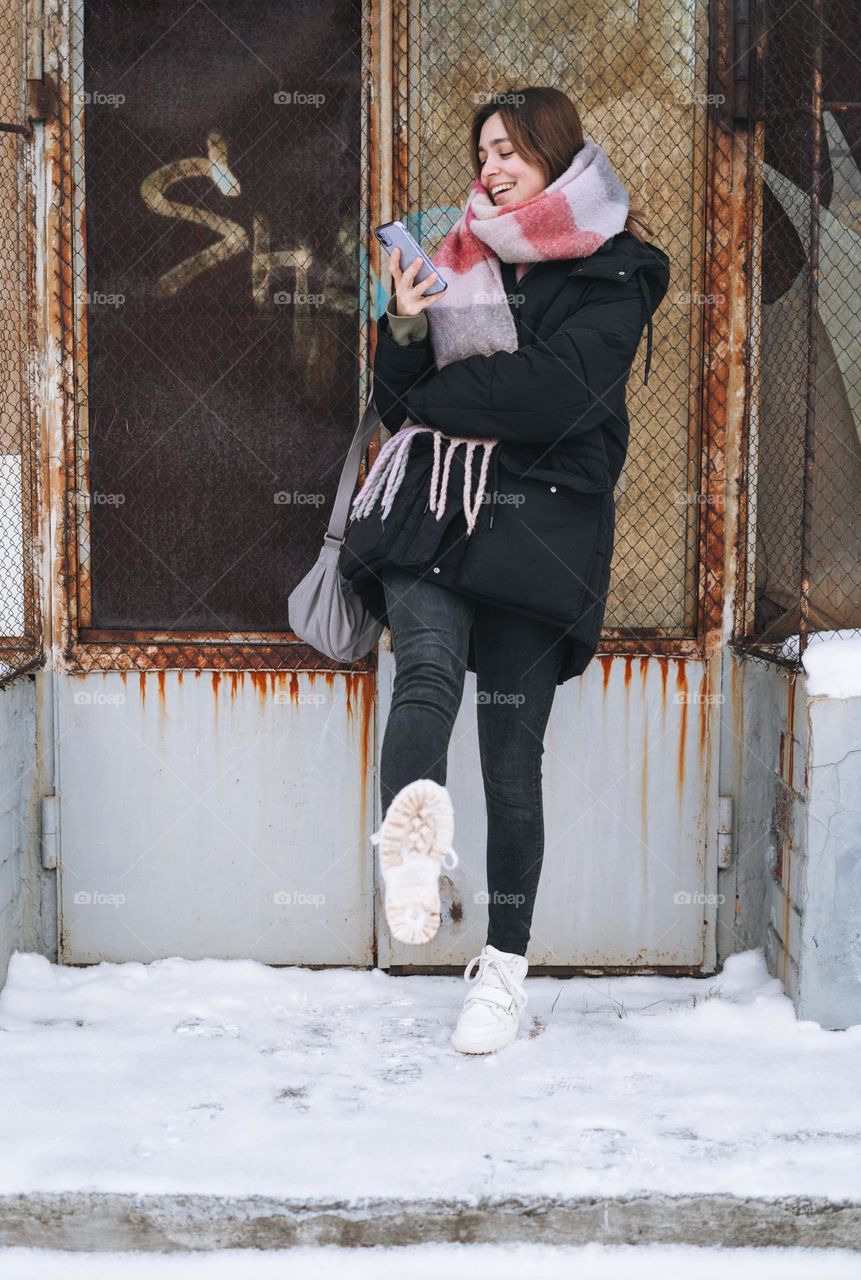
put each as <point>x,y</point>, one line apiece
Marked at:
<point>499,967</point>
<point>449,852</point>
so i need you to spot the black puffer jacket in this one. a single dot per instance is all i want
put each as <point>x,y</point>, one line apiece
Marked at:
<point>543,541</point>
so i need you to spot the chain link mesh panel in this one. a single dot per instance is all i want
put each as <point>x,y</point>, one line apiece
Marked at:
<point>804,553</point>
<point>19,644</point>
<point>215,409</point>
<point>217,158</point>
<point>639,76</point>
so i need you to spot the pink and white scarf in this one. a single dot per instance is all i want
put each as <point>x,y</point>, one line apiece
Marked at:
<point>571,218</point>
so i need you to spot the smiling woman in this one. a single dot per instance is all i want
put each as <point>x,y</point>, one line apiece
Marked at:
<point>536,375</point>
<point>517,595</point>
<point>508,176</point>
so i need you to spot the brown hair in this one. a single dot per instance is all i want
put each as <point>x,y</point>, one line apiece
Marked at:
<point>545,128</point>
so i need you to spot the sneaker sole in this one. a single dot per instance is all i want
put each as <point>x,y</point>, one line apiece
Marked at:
<point>477,1047</point>
<point>414,838</point>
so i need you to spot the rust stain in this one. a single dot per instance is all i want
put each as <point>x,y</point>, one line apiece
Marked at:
<point>682,693</point>
<point>606,661</point>
<point>259,682</point>
<point>123,675</point>
<point>142,687</point>
<point>664,664</point>
<point>216,683</point>
<point>629,662</point>
<point>179,676</point>
<point>160,677</point>
<point>360,690</point>
<point>644,668</point>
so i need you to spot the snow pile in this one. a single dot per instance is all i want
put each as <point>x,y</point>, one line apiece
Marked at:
<point>832,663</point>
<point>231,1077</point>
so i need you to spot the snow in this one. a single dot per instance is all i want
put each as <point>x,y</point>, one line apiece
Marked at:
<point>232,1077</point>
<point>429,1262</point>
<point>832,663</point>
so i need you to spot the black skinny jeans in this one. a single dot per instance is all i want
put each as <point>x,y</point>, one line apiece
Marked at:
<point>517,665</point>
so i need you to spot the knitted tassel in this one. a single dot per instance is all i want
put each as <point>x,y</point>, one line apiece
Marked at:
<point>385,476</point>
<point>384,466</point>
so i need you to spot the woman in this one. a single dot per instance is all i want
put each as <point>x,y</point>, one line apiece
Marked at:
<point>497,559</point>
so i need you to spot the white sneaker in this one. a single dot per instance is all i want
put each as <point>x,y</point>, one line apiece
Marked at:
<point>491,1013</point>
<point>415,844</point>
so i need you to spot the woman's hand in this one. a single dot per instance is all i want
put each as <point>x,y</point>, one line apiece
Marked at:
<point>411,297</point>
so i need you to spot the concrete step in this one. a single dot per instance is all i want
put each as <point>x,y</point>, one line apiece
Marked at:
<point>103,1221</point>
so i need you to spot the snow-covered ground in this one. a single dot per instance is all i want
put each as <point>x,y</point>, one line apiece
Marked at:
<point>232,1077</point>
<point>430,1262</point>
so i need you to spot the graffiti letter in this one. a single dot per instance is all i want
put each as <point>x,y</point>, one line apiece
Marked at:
<point>233,238</point>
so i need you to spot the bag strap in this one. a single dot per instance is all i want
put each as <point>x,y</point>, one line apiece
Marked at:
<point>366,428</point>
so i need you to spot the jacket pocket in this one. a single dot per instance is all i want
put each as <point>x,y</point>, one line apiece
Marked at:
<point>540,551</point>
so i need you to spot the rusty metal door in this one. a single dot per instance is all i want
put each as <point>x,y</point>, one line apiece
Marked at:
<point>204,202</point>
<point>211,175</point>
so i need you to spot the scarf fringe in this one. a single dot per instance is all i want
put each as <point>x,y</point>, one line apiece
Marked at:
<point>384,478</point>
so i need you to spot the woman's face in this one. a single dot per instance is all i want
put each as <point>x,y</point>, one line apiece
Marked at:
<point>500,165</point>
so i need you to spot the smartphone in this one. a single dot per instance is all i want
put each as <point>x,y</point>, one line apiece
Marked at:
<point>394,235</point>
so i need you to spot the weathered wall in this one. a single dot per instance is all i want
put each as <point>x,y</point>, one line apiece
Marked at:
<point>18,812</point>
<point>831,891</point>
<point>791,763</point>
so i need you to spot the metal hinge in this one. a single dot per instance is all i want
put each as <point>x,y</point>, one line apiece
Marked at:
<point>50,831</point>
<point>724,832</point>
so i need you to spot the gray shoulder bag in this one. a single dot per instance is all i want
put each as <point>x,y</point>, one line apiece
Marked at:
<point>323,609</point>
